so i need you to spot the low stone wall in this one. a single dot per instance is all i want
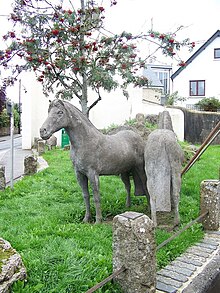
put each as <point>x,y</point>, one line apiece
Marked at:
<point>198,125</point>
<point>5,131</point>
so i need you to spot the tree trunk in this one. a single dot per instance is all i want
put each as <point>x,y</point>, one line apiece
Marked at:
<point>84,100</point>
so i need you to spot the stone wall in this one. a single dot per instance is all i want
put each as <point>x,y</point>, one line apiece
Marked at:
<point>198,125</point>
<point>5,131</point>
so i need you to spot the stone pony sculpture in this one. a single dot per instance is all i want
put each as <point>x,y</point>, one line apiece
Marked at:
<point>163,163</point>
<point>94,154</point>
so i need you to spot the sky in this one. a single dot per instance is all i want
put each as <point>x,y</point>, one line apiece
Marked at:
<point>200,18</point>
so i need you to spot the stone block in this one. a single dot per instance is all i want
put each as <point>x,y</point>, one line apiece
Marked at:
<point>210,201</point>
<point>12,268</point>
<point>2,177</point>
<point>40,147</point>
<point>30,165</point>
<point>134,248</point>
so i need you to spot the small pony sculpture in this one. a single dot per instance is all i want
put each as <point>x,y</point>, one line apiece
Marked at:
<point>94,154</point>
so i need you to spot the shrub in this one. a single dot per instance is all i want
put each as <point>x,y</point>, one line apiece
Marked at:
<point>5,119</point>
<point>209,104</point>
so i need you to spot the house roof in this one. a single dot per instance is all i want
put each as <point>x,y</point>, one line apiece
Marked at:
<point>202,48</point>
<point>152,77</point>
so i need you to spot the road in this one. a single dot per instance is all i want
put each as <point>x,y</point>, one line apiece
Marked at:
<point>5,143</point>
<point>19,155</point>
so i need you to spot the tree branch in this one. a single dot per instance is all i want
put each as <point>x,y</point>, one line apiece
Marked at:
<point>96,101</point>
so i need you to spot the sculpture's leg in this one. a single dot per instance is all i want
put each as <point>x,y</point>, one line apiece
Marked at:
<point>143,178</point>
<point>150,188</point>
<point>175,195</point>
<point>94,180</point>
<point>126,180</point>
<point>83,182</point>
<point>153,210</point>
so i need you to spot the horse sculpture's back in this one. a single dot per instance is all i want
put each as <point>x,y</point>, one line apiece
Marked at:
<point>94,154</point>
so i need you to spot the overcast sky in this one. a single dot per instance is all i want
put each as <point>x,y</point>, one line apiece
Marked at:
<point>201,18</point>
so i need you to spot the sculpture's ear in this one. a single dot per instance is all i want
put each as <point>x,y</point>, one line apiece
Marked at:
<point>60,102</point>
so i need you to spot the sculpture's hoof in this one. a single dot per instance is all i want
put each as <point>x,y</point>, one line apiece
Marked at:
<point>176,223</point>
<point>98,221</point>
<point>128,205</point>
<point>86,219</point>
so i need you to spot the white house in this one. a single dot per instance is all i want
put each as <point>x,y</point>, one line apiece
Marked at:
<point>200,77</point>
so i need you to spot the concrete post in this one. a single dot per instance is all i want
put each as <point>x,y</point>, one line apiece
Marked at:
<point>30,165</point>
<point>134,248</point>
<point>210,201</point>
<point>40,147</point>
<point>2,177</point>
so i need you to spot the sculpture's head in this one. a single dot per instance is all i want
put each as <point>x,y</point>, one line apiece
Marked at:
<point>57,119</point>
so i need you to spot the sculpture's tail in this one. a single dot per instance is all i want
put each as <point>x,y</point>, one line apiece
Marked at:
<point>140,180</point>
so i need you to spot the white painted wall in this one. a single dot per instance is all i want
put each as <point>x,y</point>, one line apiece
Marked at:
<point>34,109</point>
<point>177,117</point>
<point>203,67</point>
<point>114,108</point>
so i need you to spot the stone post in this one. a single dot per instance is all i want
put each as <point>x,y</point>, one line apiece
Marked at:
<point>2,177</point>
<point>36,139</point>
<point>165,121</point>
<point>134,248</point>
<point>30,165</point>
<point>40,147</point>
<point>210,201</point>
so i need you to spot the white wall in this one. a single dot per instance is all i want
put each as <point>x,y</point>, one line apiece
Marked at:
<point>114,108</point>
<point>203,67</point>
<point>34,109</point>
<point>177,117</point>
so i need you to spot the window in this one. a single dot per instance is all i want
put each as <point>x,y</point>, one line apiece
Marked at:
<point>197,87</point>
<point>163,77</point>
<point>217,53</point>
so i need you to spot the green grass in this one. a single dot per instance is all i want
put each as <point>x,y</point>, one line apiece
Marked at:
<point>42,217</point>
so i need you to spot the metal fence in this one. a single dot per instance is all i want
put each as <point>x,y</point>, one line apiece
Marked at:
<point>197,108</point>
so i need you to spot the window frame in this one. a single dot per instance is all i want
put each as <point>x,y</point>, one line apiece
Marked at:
<point>216,50</point>
<point>197,88</point>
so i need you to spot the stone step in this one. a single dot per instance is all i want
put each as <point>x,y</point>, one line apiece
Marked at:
<point>177,276</point>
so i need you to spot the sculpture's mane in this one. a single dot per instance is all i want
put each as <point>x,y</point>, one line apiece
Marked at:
<point>71,110</point>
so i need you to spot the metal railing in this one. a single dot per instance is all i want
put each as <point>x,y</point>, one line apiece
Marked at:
<point>213,134</point>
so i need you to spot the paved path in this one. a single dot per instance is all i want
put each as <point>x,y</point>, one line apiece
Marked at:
<point>193,271</point>
<point>19,156</point>
<point>18,166</point>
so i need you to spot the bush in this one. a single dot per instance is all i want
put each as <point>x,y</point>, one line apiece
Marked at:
<point>5,119</point>
<point>209,104</point>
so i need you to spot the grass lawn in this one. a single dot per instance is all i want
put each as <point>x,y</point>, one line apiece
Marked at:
<point>42,217</point>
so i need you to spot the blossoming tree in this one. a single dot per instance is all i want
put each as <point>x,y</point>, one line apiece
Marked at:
<point>69,50</point>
